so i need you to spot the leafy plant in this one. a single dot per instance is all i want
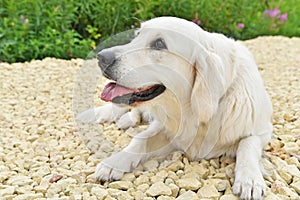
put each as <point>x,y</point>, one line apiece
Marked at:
<point>34,29</point>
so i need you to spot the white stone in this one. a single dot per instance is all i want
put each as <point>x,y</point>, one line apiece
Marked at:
<point>158,188</point>
<point>121,185</point>
<point>296,186</point>
<point>165,198</point>
<point>174,188</point>
<point>7,191</point>
<point>189,195</point>
<point>208,191</point>
<point>100,193</point>
<point>20,180</point>
<point>229,197</point>
<point>189,183</point>
<point>151,165</point>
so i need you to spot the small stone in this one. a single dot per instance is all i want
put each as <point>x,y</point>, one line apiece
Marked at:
<point>43,186</point>
<point>174,188</point>
<point>121,185</point>
<point>208,191</point>
<point>151,165</point>
<point>189,183</point>
<point>221,185</point>
<point>55,178</point>
<point>272,196</point>
<point>128,177</point>
<point>220,175</point>
<point>215,163</point>
<point>292,169</point>
<point>276,186</point>
<point>175,166</point>
<point>119,194</point>
<point>180,173</point>
<point>286,176</point>
<point>158,188</point>
<point>172,175</point>
<point>191,175</point>
<point>24,189</point>
<point>143,187</point>
<point>189,195</point>
<point>199,169</point>
<point>7,191</point>
<point>100,193</point>
<point>20,180</point>
<point>165,198</point>
<point>296,186</point>
<point>287,192</point>
<point>168,181</point>
<point>141,179</point>
<point>29,196</point>
<point>229,197</point>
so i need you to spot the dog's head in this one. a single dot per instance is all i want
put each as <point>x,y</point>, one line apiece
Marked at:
<point>167,53</point>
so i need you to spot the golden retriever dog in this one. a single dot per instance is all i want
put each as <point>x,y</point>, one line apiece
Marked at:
<point>200,92</point>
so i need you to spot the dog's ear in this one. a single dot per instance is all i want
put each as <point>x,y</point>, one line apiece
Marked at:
<point>209,84</point>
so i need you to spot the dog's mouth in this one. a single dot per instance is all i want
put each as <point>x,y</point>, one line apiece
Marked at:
<point>122,95</point>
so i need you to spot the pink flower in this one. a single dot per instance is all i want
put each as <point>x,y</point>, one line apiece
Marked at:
<point>241,25</point>
<point>272,13</point>
<point>283,17</point>
<point>196,21</point>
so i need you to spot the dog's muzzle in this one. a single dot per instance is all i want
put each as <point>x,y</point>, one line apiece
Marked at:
<point>106,60</point>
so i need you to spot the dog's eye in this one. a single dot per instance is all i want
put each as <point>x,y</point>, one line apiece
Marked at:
<point>158,44</point>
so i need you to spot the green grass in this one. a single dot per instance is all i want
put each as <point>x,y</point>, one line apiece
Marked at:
<point>34,29</point>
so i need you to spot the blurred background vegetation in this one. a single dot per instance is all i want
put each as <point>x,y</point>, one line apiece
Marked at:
<point>34,29</point>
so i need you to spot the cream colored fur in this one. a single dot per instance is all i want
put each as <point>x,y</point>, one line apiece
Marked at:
<point>215,102</point>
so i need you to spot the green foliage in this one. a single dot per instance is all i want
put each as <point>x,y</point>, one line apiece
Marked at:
<point>34,29</point>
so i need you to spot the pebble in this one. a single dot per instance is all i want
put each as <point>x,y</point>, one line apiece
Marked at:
<point>121,185</point>
<point>174,188</point>
<point>100,193</point>
<point>29,196</point>
<point>158,188</point>
<point>189,195</point>
<point>199,169</point>
<point>141,179</point>
<point>165,198</point>
<point>208,191</point>
<point>189,183</point>
<point>9,190</point>
<point>175,166</point>
<point>119,194</point>
<point>143,187</point>
<point>229,197</point>
<point>296,186</point>
<point>151,165</point>
<point>19,180</point>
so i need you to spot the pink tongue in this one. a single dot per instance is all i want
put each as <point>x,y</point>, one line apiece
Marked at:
<point>112,90</point>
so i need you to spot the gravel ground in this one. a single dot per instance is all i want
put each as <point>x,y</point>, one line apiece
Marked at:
<point>43,153</point>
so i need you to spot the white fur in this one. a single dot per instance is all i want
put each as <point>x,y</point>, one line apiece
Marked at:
<point>215,102</point>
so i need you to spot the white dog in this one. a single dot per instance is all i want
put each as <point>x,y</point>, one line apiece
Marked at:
<point>201,93</point>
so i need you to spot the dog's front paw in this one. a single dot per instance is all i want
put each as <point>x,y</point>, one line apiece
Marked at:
<point>249,184</point>
<point>129,119</point>
<point>98,115</point>
<point>106,113</point>
<point>114,167</point>
<point>106,173</point>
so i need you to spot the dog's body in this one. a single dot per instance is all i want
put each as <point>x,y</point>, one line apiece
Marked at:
<point>204,96</point>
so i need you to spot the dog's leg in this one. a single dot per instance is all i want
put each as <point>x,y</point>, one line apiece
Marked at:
<point>107,113</point>
<point>129,119</point>
<point>146,144</point>
<point>249,182</point>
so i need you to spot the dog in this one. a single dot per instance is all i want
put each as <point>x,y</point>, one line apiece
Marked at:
<point>200,92</point>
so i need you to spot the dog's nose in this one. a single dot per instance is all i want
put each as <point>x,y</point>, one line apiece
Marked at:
<point>106,59</point>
